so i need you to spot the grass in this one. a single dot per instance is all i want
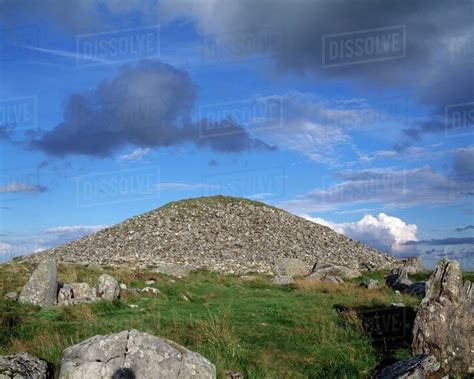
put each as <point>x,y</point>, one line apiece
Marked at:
<point>261,330</point>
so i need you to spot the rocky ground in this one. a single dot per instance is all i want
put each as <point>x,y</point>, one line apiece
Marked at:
<point>223,234</point>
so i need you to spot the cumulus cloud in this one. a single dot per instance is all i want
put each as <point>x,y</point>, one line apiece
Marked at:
<point>135,155</point>
<point>147,105</point>
<point>383,232</point>
<point>17,187</point>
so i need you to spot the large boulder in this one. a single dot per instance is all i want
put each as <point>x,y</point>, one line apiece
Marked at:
<point>291,267</point>
<point>107,288</point>
<point>131,354</point>
<point>332,272</point>
<point>82,291</point>
<point>417,367</point>
<point>413,265</point>
<point>24,366</point>
<point>398,279</point>
<point>42,287</point>
<point>443,325</point>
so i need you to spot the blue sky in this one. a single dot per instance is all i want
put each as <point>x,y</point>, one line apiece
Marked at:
<point>364,124</point>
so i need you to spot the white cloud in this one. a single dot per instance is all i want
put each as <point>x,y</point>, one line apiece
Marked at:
<point>75,229</point>
<point>383,232</point>
<point>135,155</point>
<point>16,187</point>
<point>4,247</point>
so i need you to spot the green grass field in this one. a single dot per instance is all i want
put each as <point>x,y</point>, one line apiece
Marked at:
<point>261,330</point>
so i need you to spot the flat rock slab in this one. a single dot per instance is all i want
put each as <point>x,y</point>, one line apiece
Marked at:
<point>412,368</point>
<point>131,354</point>
<point>24,366</point>
<point>291,267</point>
<point>42,287</point>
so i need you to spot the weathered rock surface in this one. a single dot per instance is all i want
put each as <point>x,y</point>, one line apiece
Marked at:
<point>224,234</point>
<point>82,291</point>
<point>282,280</point>
<point>398,280</point>
<point>370,284</point>
<point>24,366</point>
<point>65,293</point>
<point>131,354</point>
<point>291,267</point>
<point>12,296</point>
<point>443,325</point>
<point>175,270</point>
<point>107,288</point>
<point>417,367</point>
<point>42,287</point>
<point>413,265</point>
<point>469,292</point>
<point>331,272</point>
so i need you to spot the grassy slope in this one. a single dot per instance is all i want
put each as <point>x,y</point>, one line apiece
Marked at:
<point>259,329</point>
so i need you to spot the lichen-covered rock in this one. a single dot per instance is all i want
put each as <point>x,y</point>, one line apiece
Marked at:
<point>398,279</point>
<point>223,234</point>
<point>291,267</point>
<point>107,288</point>
<point>82,291</point>
<point>42,286</point>
<point>418,367</point>
<point>282,280</point>
<point>443,325</point>
<point>331,272</point>
<point>131,354</point>
<point>65,293</point>
<point>413,265</point>
<point>24,366</point>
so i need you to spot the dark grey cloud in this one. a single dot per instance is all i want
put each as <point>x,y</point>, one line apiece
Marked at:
<point>469,227</point>
<point>147,105</point>
<point>443,241</point>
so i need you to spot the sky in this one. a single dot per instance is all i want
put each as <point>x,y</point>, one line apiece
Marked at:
<point>356,115</point>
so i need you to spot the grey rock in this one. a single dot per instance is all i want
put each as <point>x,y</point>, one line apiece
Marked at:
<point>123,286</point>
<point>154,291</point>
<point>332,272</point>
<point>417,367</point>
<point>443,325</point>
<point>370,284</point>
<point>413,265</point>
<point>42,286</point>
<point>107,288</point>
<point>291,267</point>
<point>248,278</point>
<point>12,296</point>
<point>82,291</point>
<point>469,292</point>
<point>65,293</point>
<point>132,354</point>
<point>149,282</point>
<point>282,280</point>
<point>223,234</point>
<point>398,279</point>
<point>24,366</point>
<point>175,270</point>
<point>418,288</point>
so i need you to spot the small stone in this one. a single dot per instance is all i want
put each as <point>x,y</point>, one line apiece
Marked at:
<point>149,282</point>
<point>370,284</point>
<point>282,280</point>
<point>11,296</point>
<point>133,306</point>
<point>123,286</point>
<point>151,290</point>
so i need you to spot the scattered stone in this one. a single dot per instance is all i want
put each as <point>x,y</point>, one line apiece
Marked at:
<point>172,269</point>
<point>222,234</point>
<point>413,265</point>
<point>332,273</point>
<point>154,291</point>
<point>133,306</point>
<point>443,324</point>
<point>282,280</point>
<point>131,354</point>
<point>107,288</point>
<point>370,284</point>
<point>24,366</point>
<point>400,305</point>
<point>42,287</point>
<point>234,375</point>
<point>149,282</point>
<point>291,267</point>
<point>82,291</point>
<point>123,286</point>
<point>65,293</point>
<point>248,278</point>
<point>12,296</point>
<point>133,291</point>
<point>185,298</point>
<point>417,367</point>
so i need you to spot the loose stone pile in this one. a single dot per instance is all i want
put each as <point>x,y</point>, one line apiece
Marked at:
<point>224,234</point>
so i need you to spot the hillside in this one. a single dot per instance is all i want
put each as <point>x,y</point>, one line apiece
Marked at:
<point>224,234</point>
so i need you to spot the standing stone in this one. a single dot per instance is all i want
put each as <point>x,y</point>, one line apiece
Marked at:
<point>107,288</point>
<point>413,265</point>
<point>82,291</point>
<point>24,366</point>
<point>131,354</point>
<point>291,267</point>
<point>42,287</point>
<point>412,368</point>
<point>443,325</point>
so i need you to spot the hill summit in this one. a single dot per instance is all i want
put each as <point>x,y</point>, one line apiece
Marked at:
<point>220,233</point>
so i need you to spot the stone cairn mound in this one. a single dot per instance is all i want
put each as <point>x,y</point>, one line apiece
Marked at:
<point>224,234</point>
